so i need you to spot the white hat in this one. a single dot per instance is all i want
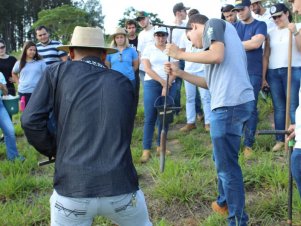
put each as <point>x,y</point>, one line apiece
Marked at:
<point>159,29</point>
<point>254,1</point>
<point>88,37</point>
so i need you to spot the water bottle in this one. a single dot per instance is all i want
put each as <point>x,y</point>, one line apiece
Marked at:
<point>22,103</point>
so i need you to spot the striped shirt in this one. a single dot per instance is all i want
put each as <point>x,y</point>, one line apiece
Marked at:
<point>49,52</point>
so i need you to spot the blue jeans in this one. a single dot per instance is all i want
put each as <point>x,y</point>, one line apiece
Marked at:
<point>296,167</point>
<point>251,124</point>
<point>226,130</point>
<point>152,90</point>
<point>120,209</point>
<point>277,79</point>
<point>7,128</point>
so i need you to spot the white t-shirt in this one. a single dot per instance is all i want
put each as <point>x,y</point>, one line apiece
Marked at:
<point>157,58</point>
<point>298,124</point>
<point>266,17</point>
<point>279,39</point>
<point>178,33</point>
<point>190,67</point>
<point>145,38</point>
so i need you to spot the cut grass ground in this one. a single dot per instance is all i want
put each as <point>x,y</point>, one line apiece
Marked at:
<point>180,196</point>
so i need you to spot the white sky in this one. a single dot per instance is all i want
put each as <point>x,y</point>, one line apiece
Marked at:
<point>113,10</point>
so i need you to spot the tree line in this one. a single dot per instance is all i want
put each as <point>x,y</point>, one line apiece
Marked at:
<point>20,17</point>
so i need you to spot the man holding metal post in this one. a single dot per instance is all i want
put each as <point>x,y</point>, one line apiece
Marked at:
<point>232,100</point>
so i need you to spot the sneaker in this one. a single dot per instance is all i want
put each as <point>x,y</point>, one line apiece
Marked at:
<point>207,127</point>
<point>278,146</point>
<point>167,152</point>
<point>222,210</point>
<point>248,152</point>
<point>146,155</point>
<point>188,127</point>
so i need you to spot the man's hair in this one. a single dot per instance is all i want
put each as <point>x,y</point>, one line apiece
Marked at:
<point>192,12</point>
<point>130,22</point>
<point>227,8</point>
<point>197,19</point>
<point>41,27</point>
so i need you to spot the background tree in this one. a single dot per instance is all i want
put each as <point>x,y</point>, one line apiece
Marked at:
<point>62,20</point>
<point>130,13</point>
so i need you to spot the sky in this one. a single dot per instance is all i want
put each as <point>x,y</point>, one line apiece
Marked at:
<point>113,10</point>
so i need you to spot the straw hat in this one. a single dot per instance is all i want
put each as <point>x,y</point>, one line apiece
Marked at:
<point>119,31</point>
<point>88,37</point>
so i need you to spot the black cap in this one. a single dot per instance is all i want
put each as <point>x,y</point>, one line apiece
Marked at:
<point>278,9</point>
<point>240,4</point>
<point>179,6</point>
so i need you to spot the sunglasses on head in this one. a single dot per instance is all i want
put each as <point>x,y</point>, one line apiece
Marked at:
<point>2,47</point>
<point>161,35</point>
<point>275,17</point>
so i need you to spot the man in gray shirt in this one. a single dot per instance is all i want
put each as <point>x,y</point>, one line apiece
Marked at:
<point>232,100</point>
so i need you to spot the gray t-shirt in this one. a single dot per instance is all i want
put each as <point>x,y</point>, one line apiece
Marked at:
<point>228,82</point>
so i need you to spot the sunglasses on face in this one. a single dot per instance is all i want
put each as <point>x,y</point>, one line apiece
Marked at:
<point>2,47</point>
<point>275,17</point>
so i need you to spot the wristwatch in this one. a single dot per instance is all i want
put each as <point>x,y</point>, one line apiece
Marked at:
<point>296,33</point>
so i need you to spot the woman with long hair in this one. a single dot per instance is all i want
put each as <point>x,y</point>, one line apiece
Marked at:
<point>275,65</point>
<point>30,69</point>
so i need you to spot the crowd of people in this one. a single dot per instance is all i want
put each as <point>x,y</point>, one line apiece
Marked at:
<point>90,94</point>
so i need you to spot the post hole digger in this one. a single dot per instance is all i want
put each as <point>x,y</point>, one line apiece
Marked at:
<point>165,110</point>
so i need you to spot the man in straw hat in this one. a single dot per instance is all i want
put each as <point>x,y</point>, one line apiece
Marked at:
<point>93,107</point>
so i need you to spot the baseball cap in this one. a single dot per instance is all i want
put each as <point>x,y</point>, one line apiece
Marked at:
<point>141,14</point>
<point>277,9</point>
<point>240,4</point>
<point>179,6</point>
<point>254,1</point>
<point>158,29</point>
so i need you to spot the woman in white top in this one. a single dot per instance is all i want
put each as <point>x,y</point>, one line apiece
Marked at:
<point>153,59</point>
<point>275,65</point>
<point>30,69</point>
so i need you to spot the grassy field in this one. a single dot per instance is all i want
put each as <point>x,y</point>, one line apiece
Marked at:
<point>180,196</point>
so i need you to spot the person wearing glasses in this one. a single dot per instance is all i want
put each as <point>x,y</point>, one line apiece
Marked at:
<point>252,33</point>
<point>7,63</point>
<point>276,65</point>
<point>153,60</point>
<point>126,59</point>
<point>228,14</point>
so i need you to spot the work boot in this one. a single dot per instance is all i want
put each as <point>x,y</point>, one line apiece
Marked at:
<point>222,210</point>
<point>248,152</point>
<point>167,152</point>
<point>278,146</point>
<point>146,155</point>
<point>207,127</point>
<point>188,127</point>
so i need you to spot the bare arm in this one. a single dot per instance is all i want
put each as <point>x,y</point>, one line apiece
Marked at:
<point>254,43</point>
<point>108,64</point>
<point>4,89</point>
<point>136,64</point>
<point>173,70</point>
<point>265,62</point>
<point>214,55</point>
<point>292,27</point>
<point>15,77</point>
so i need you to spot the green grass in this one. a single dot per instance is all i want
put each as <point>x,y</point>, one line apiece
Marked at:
<point>182,195</point>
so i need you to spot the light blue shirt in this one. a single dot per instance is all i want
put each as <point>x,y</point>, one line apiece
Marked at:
<point>29,75</point>
<point>123,62</point>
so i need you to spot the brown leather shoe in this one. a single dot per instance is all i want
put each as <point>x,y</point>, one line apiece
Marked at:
<point>146,155</point>
<point>248,152</point>
<point>200,117</point>
<point>188,127</point>
<point>222,210</point>
<point>168,152</point>
<point>207,127</point>
<point>278,146</point>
